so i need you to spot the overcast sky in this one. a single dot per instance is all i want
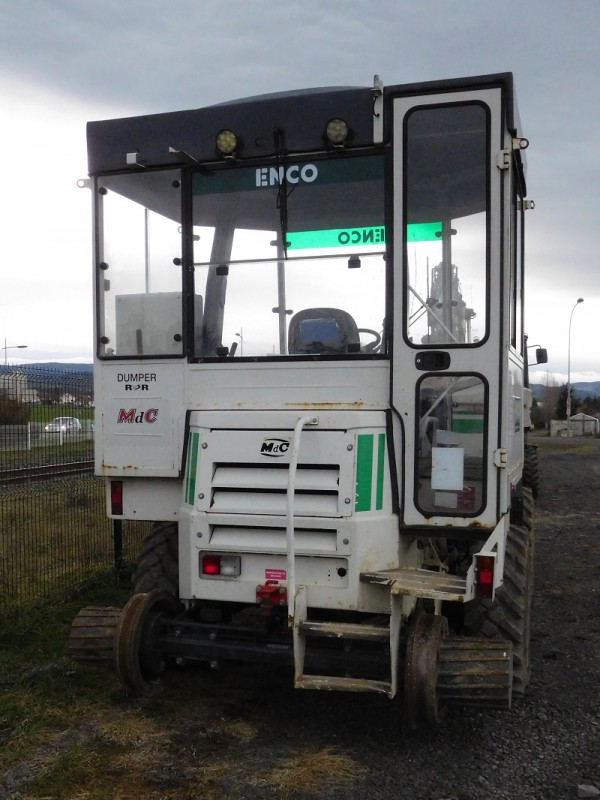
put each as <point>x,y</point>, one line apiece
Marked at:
<point>64,62</point>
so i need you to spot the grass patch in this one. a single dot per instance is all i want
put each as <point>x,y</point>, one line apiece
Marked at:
<point>310,770</point>
<point>68,732</point>
<point>55,534</point>
<point>562,444</point>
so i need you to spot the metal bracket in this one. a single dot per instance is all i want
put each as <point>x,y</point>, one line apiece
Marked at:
<point>132,160</point>
<point>377,92</point>
<point>175,151</point>
<point>520,143</point>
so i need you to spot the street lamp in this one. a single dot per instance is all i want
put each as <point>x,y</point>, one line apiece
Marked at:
<point>579,300</point>
<point>11,347</point>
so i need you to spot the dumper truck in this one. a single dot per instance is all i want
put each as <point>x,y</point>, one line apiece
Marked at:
<point>309,383</point>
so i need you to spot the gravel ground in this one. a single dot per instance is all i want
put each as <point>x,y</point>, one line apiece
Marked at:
<point>546,748</point>
<point>243,733</point>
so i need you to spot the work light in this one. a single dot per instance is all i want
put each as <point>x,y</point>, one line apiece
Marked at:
<point>227,142</point>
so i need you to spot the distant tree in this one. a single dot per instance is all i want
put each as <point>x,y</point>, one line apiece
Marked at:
<point>561,403</point>
<point>590,405</point>
<point>12,412</point>
<point>537,414</point>
<point>546,405</point>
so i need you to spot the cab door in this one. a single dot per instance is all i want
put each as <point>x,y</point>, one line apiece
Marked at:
<point>449,301</point>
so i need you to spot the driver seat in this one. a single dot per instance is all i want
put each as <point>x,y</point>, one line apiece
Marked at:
<point>323,331</point>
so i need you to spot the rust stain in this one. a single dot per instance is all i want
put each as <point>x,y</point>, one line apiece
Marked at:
<point>326,405</point>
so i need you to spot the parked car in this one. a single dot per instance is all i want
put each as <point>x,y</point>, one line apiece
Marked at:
<point>64,424</point>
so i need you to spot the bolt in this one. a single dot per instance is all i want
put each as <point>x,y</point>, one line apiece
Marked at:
<point>201,496</point>
<point>199,535</point>
<point>212,636</point>
<point>350,447</point>
<point>345,541</point>
<point>347,501</point>
<point>214,664</point>
<point>204,445</point>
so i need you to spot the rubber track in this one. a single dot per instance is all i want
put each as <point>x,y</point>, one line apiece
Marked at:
<point>509,614</point>
<point>531,470</point>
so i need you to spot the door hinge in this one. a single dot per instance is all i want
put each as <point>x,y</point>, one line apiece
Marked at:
<point>501,457</point>
<point>503,160</point>
<point>504,156</point>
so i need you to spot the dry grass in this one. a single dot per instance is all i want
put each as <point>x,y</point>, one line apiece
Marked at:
<point>310,769</point>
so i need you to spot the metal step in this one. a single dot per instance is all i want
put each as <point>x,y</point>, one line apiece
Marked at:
<point>420,583</point>
<point>345,630</point>
<point>332,683</point>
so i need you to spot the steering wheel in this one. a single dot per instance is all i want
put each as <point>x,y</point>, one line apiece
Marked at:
<point>371,347</point>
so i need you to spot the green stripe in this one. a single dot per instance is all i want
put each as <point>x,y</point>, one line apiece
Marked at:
<point>380,463</point>
<point>465,425</point>
<point>192,466</point>
<point>364,472</point>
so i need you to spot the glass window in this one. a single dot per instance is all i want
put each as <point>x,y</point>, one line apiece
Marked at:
<point>450,444</point>
<point>139,275</point>
<point>447,221</point>
<point>297,261</point>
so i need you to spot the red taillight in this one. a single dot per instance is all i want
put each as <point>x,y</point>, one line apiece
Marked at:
<point>484,575</point>
<point>225,565</point>
<point>116,498</point>
<point>211,565</point>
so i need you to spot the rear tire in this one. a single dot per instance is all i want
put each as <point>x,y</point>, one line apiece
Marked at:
<point>508,616</point>
<point>157,565</point>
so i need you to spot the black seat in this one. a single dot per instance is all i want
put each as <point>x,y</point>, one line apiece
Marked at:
<point>323,331</point>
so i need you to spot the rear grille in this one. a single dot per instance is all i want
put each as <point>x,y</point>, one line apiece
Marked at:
<point>259,489</point>
<point>260,539</point>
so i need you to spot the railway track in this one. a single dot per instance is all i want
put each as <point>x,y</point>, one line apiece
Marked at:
<point>44,472</point>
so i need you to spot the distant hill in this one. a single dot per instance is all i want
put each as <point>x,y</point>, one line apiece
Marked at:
<point>580,389</point>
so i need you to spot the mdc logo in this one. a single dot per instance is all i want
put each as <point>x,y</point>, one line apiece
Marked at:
<point>133,415</point>
<point>274,448</point>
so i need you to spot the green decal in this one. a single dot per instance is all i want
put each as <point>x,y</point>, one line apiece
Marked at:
<point>364,472</point>
<point>354,237</point>
<point>191,467</point>
<point>380,467</point>
<point>336,237</point>
<point>423,232</point>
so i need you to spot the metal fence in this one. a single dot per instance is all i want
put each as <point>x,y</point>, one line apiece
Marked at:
<point>54,532</point>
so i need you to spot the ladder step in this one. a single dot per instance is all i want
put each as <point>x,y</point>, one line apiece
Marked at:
<point>420,583</point>
<point>333,683</point>
<point>345,630</point>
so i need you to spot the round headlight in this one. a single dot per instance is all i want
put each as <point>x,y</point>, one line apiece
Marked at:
<point>337,131</point>
<point>226,142</point>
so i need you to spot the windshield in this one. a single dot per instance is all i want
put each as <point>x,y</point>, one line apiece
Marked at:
<point>289,259</point>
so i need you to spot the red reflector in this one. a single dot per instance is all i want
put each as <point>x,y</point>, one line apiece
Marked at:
<point>211,565</point>
<point>485,575</point>
<point>116,497</point>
